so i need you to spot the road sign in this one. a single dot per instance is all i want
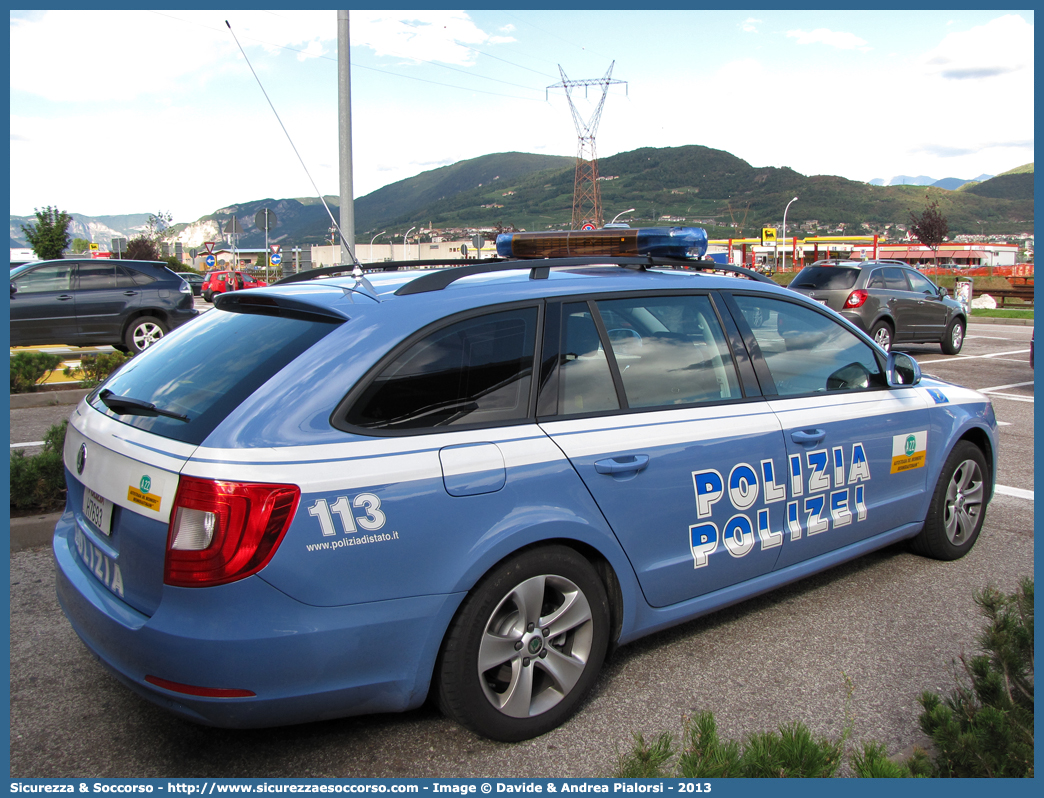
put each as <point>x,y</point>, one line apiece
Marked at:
<point>463,250</point>
<point>210,261</point>
<point>265,219</point>
<point>277,259</point>
<point>210,247</point>
<point>588,226</point>
<point>477,241</point>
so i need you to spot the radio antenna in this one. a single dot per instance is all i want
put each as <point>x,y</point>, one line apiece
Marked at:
<point>358,267</point>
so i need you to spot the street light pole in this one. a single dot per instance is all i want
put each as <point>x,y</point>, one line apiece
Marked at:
<point>374,239</point>
<point>621,213</point>
<point>405,252</point>
<point>784,264</point>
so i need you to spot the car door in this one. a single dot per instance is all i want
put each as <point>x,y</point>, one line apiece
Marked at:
<point>931,312</point>
<point>664,425</point>
<point>105,295</point>
<point>43,305</point>
<point>856,449</point>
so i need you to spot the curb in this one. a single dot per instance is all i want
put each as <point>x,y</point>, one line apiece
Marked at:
<point>48,398</point>
<point>33,531</point>
<point>993,320</point>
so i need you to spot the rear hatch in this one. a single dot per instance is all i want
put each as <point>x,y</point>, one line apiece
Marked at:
<point>129,440</point>
<point>828,285</point>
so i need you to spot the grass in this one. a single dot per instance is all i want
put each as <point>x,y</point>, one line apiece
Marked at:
<point>1002,313</point>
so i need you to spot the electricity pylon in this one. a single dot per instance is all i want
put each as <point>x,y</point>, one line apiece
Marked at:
<point>587,201</point>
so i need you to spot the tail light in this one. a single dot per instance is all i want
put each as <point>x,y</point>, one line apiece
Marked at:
<point>221,532</point>
<point>856,299</point>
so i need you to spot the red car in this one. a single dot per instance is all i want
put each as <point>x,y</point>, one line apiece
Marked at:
<point>222,281</point>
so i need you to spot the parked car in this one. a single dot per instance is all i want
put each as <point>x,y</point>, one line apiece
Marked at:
<point>338,496</point>
<point>892,302</point>
<point>194,280</point>
<point>129,304</point>
<point>218,282</point>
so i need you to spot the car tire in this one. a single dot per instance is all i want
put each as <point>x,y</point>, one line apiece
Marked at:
<point>504,674</point>
<point>953,340</point>
<point>882,335</point>
<point>207,296</point>
<point>958,505</point>
<point>143,332</point>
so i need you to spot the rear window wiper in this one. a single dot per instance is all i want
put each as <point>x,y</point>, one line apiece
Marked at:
<point>128,406</point>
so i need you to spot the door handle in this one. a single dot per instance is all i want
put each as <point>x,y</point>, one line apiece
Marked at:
<point>807,437</point>
<point>623,464</point>
<point>63,297</point>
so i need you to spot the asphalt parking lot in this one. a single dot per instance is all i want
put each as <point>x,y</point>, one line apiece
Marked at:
<point>856,644</point>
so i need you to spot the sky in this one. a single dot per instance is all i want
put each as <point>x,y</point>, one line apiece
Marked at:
<point>116,112</point>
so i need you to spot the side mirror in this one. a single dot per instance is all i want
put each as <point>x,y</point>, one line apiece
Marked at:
<point>943,291</point>
<point>13,289</point>
<point>902,369</point>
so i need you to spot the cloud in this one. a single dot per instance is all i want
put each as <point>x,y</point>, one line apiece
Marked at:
<point>839,39</point>
<point>1003,46</point>
<point>749,25</point>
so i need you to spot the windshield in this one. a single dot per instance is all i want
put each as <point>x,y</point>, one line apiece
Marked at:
<point>826,277</point>
<point>205,370</point>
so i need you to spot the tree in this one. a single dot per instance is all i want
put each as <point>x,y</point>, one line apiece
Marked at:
<point>930,228</point>
<point>49,237</point>
<point>142,248</point>
<point>79,245</point>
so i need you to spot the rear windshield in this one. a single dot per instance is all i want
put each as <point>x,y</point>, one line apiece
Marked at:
<point>826,277</point>
<point>208,368</point>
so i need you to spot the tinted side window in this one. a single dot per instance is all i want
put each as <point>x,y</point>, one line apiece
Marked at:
<point>124,278</point>
<point>473,372</point>
<point>920,283</point>
<point>585,384</point>
<point>894,279</point>
<point>670,350</point>
<point>95,275</point>
<point>52,277</point>
<point>807,352</point>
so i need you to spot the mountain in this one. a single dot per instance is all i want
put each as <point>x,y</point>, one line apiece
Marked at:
<point>1015,184</point>
<point>691,185</point>
<point>948,183</point>
<point>906,180</point>
<point>91,228</point>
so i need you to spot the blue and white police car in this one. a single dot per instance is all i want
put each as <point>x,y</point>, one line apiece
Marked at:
<point>340,496</point>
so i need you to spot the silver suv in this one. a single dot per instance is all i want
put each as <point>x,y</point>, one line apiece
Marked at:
<point>892,302</point>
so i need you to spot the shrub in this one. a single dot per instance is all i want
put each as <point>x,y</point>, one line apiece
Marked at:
<point>97,368</point>
<point>38,481</point>
<point>985,727</point>
<point>29,368</point>
<point>789,752</point>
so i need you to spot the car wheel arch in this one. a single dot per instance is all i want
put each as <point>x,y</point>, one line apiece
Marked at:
<point>621,597</point>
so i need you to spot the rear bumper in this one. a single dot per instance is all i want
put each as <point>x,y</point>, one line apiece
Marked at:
<point>302,663</point>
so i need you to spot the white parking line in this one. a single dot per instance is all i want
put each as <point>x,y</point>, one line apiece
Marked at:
<point>960,358</point>
<point>23,445</point>
<point>1011,396</point>
<point>1005,387</point>
<point>1018,493</point>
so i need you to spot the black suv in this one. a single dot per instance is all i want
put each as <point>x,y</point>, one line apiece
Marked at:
<point>887,299</point>
<point>129,304</point>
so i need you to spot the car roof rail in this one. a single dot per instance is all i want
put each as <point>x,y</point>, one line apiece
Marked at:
<point>539,269</point>
<point>446,272</point>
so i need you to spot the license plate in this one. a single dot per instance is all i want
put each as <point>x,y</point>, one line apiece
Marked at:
<point>98,563</point>
<point>821,301</point>
<point>98,510</point>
